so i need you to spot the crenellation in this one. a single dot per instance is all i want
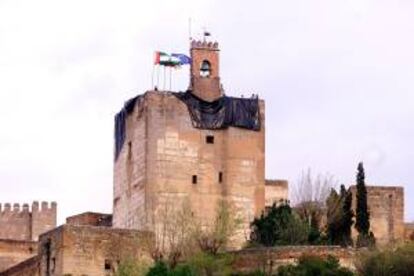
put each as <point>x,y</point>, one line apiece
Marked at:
<point>19,222</point>
<point>25,208</point>
<point>7,207</point>
<point>203,44</point>
<point>35,206</point>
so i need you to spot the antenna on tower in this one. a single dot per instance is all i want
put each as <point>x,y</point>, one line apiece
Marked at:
<point>189,29</point>
<point>205,33</point>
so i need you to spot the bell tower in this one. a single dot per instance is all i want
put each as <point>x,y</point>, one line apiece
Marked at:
<point>204,75</point>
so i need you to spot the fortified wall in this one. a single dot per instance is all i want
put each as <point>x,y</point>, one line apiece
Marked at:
<point>24,223</point>
<point>386,208</point>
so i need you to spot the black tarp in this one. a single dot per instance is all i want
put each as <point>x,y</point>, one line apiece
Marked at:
<point>120,123</point>
<point>223,112</point>
<point>219,114</point>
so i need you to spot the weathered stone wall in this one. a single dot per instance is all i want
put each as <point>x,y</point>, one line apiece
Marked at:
<point>269,259</point>
<point>88,250</point>
<point>386,207</point>
<point>29,267</point>
<point>409,232</point>
<point>43,219</point>
<point>15,223</point>
<point>13,252</point>
<point>21,223</point>
<point>91,219</point>
<point>275,191</point>
<point>130,173</point>
<point>162,154</point>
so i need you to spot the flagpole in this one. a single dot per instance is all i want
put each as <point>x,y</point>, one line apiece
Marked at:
<point>170,77</point>
<point>164,79</point>
<point>189,28</point>
<point>158,75</point>
<point>152,76</point>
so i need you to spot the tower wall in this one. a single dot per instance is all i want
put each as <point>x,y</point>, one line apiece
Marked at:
<point>386,208</point>
<point>43,219</point>
<point>172,151</point>
<point>130,172</point>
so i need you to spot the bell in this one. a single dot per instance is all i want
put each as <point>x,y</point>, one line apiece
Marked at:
<point>205,66</point>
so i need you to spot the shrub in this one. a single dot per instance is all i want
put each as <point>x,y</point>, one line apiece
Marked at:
<point>132,267</point>
<point>198,265</point>
<point>279,226</point>
<point>397,262</point>
<point>314,266</point>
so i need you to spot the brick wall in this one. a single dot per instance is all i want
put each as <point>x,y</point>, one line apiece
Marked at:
<point>91,219</point>
<point>207,88</point>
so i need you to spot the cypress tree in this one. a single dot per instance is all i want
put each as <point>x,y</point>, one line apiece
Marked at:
<point>362,214</point>
<point>365,237</point>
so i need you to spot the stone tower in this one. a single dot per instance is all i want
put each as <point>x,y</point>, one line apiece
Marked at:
<point>195,147</point>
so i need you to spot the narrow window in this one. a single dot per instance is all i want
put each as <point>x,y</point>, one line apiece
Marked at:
<point>107,265</point>
<point>129,150</point>
<point>210,139</point>
<point>194,179</point>
<point>220,177</point>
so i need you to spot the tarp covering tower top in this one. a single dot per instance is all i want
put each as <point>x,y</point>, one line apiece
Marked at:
<point>219,114</point>
<point>222,113</point>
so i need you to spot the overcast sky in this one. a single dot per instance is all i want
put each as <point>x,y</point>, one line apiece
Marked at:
<point>337,77</point>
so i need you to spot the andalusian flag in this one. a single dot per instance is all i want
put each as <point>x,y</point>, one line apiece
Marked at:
<point>172,60</point>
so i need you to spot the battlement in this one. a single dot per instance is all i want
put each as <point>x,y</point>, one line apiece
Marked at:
<point>16,208</point>
<point>25,222</point>
<point>206,45</point>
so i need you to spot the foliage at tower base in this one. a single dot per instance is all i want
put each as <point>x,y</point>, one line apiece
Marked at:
<point>364,240</point>
<point>339,217</point>
<point>280,225</point>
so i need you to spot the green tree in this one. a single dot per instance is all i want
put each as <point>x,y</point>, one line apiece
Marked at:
<point>309,265</point>
<point>334,215</point>
<point>347,216</point>
<point>279,226</point>
<point>215,237</point>
<point>365,237</point>
<point>339,217</point>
